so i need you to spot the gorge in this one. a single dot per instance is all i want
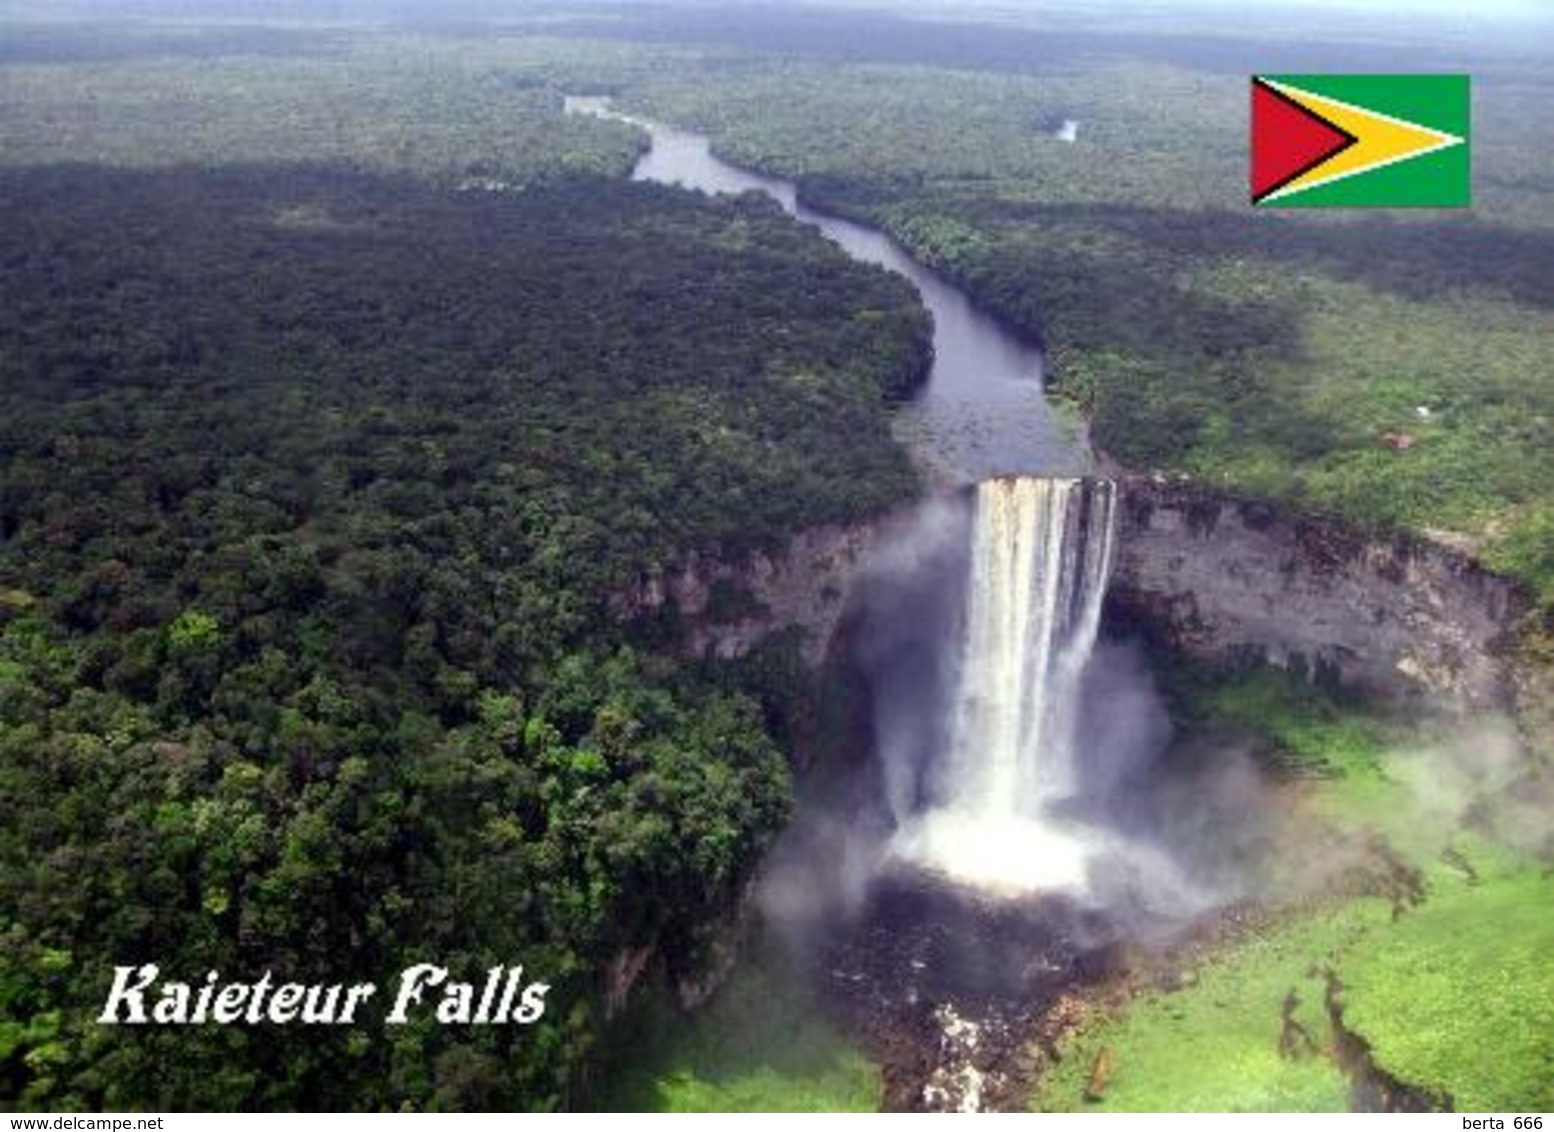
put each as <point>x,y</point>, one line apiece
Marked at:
<point>988,879</point>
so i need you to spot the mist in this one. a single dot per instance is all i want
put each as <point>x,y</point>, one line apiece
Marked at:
<point>1157,829</point>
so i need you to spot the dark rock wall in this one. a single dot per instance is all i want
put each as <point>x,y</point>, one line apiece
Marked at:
<point>1222,579</point>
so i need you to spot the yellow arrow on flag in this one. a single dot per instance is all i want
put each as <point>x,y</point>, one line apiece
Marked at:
<point>1381,140</point>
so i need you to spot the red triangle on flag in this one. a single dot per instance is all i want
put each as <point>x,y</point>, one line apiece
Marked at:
<point>1287,140</point>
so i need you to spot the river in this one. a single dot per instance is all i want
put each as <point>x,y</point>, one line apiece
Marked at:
<point>982,411</point>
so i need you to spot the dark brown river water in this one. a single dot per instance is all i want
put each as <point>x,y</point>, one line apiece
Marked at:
<point>982,412</point>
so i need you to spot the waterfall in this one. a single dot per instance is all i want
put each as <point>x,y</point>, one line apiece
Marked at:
<point>1040,554</point>
<point>1041,550</point>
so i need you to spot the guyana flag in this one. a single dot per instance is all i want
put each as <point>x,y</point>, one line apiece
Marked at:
<point>1360,141</point>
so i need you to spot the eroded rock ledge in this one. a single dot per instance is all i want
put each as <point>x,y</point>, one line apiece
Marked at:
<point>1219,578</point>
<point>1211,576</point>
<point>724,605</point>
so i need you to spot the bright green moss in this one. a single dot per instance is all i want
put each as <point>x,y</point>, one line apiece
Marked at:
<point>1215,1045</point>
<point>1457,998</point>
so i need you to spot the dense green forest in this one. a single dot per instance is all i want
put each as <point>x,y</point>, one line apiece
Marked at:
<point>387,104</point>
<point>316,482</point>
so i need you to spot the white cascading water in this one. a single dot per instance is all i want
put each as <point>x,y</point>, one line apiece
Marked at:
<point>1040,556</point>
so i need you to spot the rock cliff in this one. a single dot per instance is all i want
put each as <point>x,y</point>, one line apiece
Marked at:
<point>723,605</point>
<point>1219,579</point>
<point>1211,576</point>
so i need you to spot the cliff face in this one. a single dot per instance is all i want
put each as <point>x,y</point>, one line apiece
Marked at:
<point>722,606</point>
<point>1221,579</point>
